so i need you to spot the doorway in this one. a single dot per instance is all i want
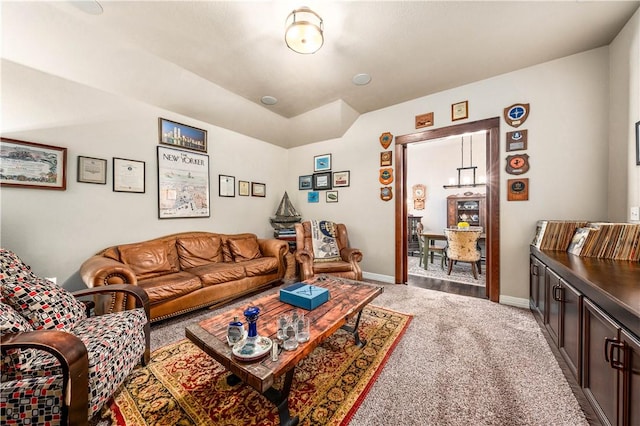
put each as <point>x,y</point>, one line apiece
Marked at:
<point>491,127</point>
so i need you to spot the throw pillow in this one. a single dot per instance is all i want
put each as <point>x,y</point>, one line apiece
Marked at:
<point>12,268</point>
<point>44,305</point>
<point>11,321</point>
<point>244,249</point>
<point>198,251</point>
<point>149,259</point>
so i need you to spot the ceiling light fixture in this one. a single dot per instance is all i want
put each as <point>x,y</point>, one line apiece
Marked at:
<point>303,32</point>
<point>361,79</point>
<point>269,100</point>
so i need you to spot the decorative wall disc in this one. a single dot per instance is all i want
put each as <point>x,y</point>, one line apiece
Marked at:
<point>386,193</point>
<point>516,114</point>
<point>385,139</point>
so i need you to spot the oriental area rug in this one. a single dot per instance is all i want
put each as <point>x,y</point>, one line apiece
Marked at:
<point>182,385</point>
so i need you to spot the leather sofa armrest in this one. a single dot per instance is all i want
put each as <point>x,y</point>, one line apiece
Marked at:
<point>99,270</point>
<point>350,254</point>
<point>74,361</point>
<point>273,247</point>
<point>305,259</point>
<point>138,299</point>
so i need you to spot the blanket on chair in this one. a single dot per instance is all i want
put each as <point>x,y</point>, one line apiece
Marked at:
<point>323,237</point>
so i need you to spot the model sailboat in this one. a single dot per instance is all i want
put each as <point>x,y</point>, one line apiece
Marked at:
<point>286,215</point>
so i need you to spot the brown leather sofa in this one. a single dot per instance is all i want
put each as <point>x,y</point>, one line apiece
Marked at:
<point>188,271</point>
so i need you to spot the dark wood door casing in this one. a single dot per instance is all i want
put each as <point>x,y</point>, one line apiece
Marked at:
<point>492,127</point>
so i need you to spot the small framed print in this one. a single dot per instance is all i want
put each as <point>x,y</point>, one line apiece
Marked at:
<point>258,189</point>
<point>460,111</point>
<point>424,120</point>
<point>92,170</point>
<point>518,189</point>
<point>341,178</point>
<point>226,186</point>
<point>331,197</point>
<point>128,175</point>
<point>305,182</point>
<point>313,196</point>
<point>243,188</point>
<point>322,181</point>
<point>322,162</point>
<point>386,158</point>
<point>181,135</point>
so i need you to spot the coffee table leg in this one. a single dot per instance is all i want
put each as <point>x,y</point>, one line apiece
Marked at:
<point>281,400</point>
<point>354,330</point>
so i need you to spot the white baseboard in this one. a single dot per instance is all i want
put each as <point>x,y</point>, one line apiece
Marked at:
<point>518,302</point>
<point>379,277</point>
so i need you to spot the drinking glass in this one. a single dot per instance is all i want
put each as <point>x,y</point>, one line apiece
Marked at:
<point>302,327</point>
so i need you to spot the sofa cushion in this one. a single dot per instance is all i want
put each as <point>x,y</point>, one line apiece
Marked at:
<point>12,268</point>
<point>244,249</point>
<point>216,273</point>
<point>198,251</point>
<point>11,321</point>
<point>170,286</point>
<point>328,267</point>
<point>44,305</point>
<point>261,266</point>
<point>150,259</point>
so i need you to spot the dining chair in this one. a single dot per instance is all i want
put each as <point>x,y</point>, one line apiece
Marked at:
<point>462,246</point>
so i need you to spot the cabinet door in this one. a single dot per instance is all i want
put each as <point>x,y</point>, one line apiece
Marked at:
<point>631,381</point>
<point>554,293</point>
<point>600,381</point>
<point>570,338</point>
<point>536,286</point>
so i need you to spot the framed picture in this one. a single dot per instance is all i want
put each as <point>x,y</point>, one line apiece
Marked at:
<point>386,158</point>
<point>226,186</point>
<point>92,170</point>
<point>32,165</point>
<point>322,162</point>
<point>304,182</point>
<point>258,189</point>
<point>331,197</point>
<point>181,135</point>
<point>322,180</point>
<point>183,184</point>
<point>243,188</point>
<point>128,175</point>
<point>341,178</point>
<point>313,196</point>
<point>638,143</point>
<point>460,111</point>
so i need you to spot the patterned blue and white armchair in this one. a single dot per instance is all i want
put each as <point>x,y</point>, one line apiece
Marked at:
<point>59,365</point>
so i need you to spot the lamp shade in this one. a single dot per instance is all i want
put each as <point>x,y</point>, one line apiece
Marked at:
<point>303,32</point>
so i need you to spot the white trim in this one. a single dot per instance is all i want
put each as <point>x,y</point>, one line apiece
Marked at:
<point>518,302</point>
<point>378,277</point>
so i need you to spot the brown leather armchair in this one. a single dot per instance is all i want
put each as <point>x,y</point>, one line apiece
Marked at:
<point>346,267</point>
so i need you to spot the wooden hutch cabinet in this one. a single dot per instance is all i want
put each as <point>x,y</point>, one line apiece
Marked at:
<point>590,308</point>
<point>413,243</point>
<point>466,208</point>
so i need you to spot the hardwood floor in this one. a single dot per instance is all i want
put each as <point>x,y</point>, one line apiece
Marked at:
<point>447,286</point>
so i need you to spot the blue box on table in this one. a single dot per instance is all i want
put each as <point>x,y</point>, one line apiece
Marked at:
<point>304,296</point>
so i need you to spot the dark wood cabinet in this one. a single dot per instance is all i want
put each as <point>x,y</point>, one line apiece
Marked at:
<point>413,243</point>
<point>590,309</point>
<point>466,208</point>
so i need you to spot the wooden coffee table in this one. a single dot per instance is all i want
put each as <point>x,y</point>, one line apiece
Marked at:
<point>347,299</point>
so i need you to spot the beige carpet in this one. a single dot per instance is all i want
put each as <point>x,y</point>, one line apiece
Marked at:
<point>462,361</point>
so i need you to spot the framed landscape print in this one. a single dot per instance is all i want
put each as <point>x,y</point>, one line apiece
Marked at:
<point>226,186</point>
<point>341,178</point>
<point>181,135</point>
<point>305,182</point>
<point>243,188</point>
<point>92,170</point>
<point>322,181</point>
<point>183,184</point>
<point>332,197</point>
<point>32,165</point>
<point>128,175</point>
<point>322,162</point>
<point>258,189</point>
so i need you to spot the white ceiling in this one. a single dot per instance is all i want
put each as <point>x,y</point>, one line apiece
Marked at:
<point>214,60</point>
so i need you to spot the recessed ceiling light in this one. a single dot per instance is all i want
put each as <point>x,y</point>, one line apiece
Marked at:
<point>88,6</point>
<point>361,79</point>
<point>269,100</point>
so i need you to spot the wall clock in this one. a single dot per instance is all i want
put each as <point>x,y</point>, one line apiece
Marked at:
<point>518,189</point>
<point>419,194</point>
<point>517,164</point>
<point>516,114</point>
